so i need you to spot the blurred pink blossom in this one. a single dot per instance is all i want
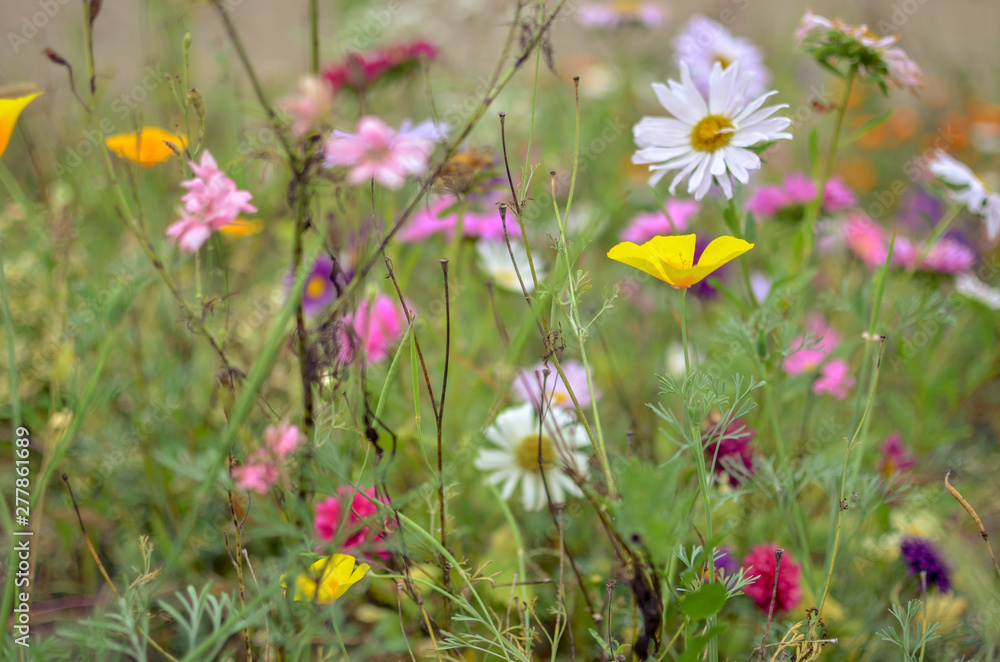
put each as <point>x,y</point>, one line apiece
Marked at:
<point>480,219</point>
<point>646,225</point>
<point>374,328</point>
<point>823,340</point>
<point>262,469</point>
<point>212,201</point>
<point>313,102</point>
<point>835,379</point>
<point>379,152</point>
<point>798,190</point>
<point>528,386</point>
<point>895,457</point>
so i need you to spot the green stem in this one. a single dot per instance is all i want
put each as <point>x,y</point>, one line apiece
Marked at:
<point>314,36</point>
<point>684,335</point>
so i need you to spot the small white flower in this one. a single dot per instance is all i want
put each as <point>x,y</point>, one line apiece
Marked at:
<point>519,440</point>
<point>708,140</point>
<point>966,188</point>
<point>494,259</point>
<point>702,42</point>
<point>970,286</point>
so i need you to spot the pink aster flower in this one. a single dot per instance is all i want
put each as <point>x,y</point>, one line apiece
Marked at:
<point>479,217</point>
<point>949,257</point>
<point>799,190</point>
<point>379,152</point>
<point>528,386</point>
<point>896,457</point>
<point>822,342</point>
<point>675,220</point>
<point>310,106</point>
<point>835,379</point>
<point>354,526</point>
<point>374,328</point>
<point>760,561</point>
<point>263,469</point>
<point>212,201</point>
<point>868,240</point>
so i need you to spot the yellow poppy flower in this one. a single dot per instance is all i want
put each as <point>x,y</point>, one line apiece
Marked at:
<point>10,110</point>
<point>335,575</point>
<point>671,259</point>
<point>242,227</point>
<point>151,143</point>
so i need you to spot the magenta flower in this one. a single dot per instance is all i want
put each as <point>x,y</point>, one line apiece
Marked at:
<point>895,456</point>
<point>835,379</point>
<point>373,330</point>
<point>734,443</point>
<point>480,219</point>
<point>212,201</point>
<point>797,191</point>
<point>354,526</point>
<point>870,242</point>
<point>949,257</point>
<point>675,220</point>
<point>921,556</point>
<point>381,153</point>
<point>263,468</point>
<point>760,561</point>
<point>527,386</point>
<point>358,70</point>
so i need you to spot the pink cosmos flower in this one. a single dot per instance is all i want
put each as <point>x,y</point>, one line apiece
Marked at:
<point>870,242</point>
<point>212,201</point>
<point>374,328</point>
<point>263,468</point>
<point>823,341</point>
<point>528,386</point>
<point>895,456</point>
<point>799,190</point>
<point>480,219</point>
<point>356,532</point>
<point>760,561</point>
<point>647,225</point>
<point>308,108</point>
<point>381,153</point>
<point>835,379</point>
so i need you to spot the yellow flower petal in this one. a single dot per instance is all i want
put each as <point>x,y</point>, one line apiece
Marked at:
<point>10,110</point>
<point>151,144</point>
<point>242,227</point>
<point>339,574</point>
<point>671,258</point>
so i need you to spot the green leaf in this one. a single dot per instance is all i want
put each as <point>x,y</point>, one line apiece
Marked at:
<point>705,602</point>
<point>870,125</point>
<point>750,227</point>
<point>696,645</point>
<point>651,505</point>
<point>814,152</point>
<point>731,221</point>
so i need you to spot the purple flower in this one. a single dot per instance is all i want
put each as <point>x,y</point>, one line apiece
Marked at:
<point>920,556</point>
<point>319,291</point>
<point>725,561</point>
<point>528,386</point>
<point>702,42</point>
<point>733,442</point>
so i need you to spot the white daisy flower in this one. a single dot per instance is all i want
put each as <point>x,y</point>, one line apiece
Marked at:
<point>708,140</point>
<point>494,259</point>
<point>969,285</point>
<point>702,42</point>
<point>517,435</point>
<point>967,188</point>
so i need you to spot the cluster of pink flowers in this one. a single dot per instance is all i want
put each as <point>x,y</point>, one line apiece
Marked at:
<point>379,152</point>
<point>352,528</point>
<point>673,220</point>
<point>870,242</point>
<point>212,202</point>
<point>797,191</point>
<point>480,219</point>
<point>834,378</point>
<point>358,71</point>
<point>760,561</point>
<point>263,469</point>
<point>371,330</point>
<point>310,106</point>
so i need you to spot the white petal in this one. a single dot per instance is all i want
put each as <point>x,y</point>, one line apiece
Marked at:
<point>508,487</point>
<point>489,459</point>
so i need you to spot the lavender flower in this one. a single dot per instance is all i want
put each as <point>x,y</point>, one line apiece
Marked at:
<point>921,556</point>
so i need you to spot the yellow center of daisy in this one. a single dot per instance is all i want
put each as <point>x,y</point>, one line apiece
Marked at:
<point>316,287</point>
<point>723,60</point>
<point>526,453</point>
<point>712,132</point>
